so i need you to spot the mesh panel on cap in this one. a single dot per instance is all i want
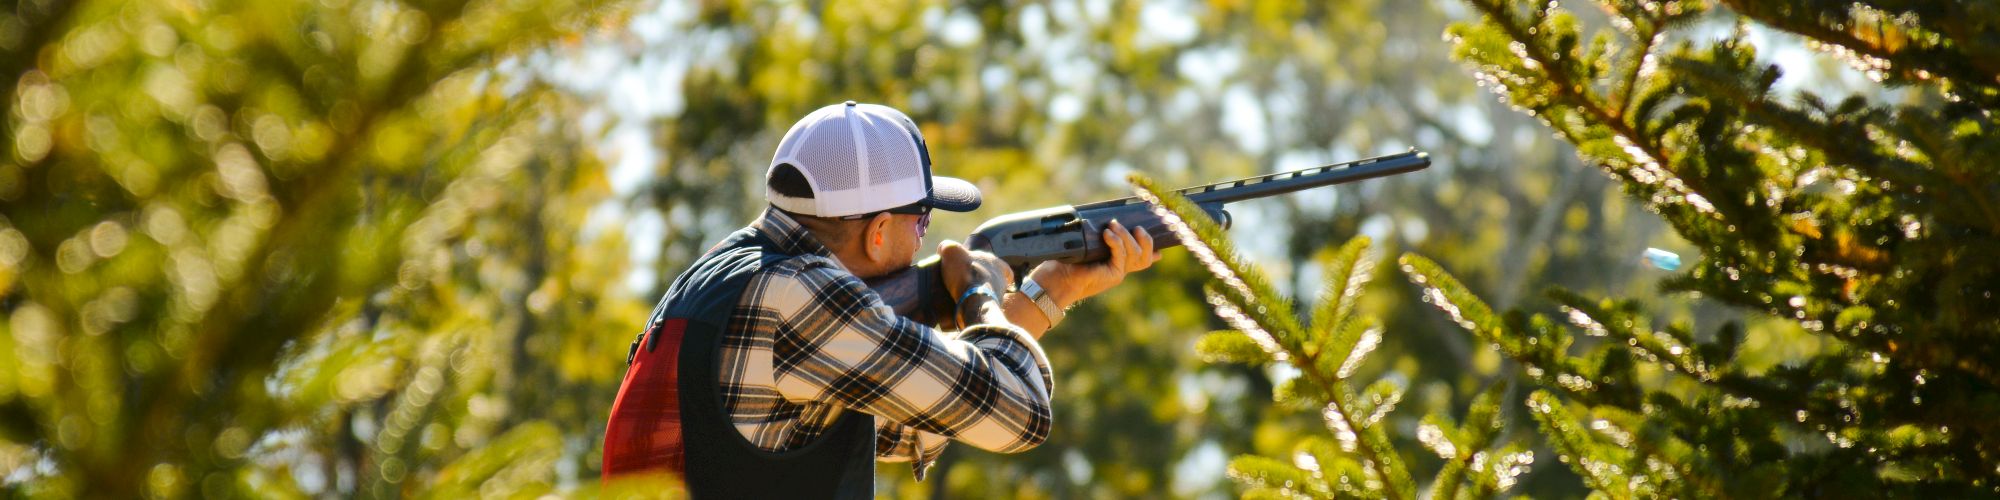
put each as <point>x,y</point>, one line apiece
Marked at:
<point>828,156</point>
<point>785,147</point>
<point>890,154</point>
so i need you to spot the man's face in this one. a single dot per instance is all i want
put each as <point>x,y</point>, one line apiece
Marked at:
<point>905,235</point>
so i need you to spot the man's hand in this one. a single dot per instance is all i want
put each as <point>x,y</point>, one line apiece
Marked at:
<point>965,269</point>
<point>1071,283</point>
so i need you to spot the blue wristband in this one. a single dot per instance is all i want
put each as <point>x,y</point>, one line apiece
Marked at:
<point>987,289</point>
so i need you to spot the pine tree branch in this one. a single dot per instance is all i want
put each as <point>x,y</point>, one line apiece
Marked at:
<point>1874,265</point>
<point>1573,445</point>
<point>1571,89</point>
<point>1377,455</point>
<point>1210,244</point>
<point>1542,356</point>
<point>1348,273</point>
<point>1909,58</point>
<point>1835,136</point>
<point>1657,442</point>
<point>1812,409</point>
<point>1564,378</point>
<point>1648,35</point>
<point>1373,445</point>
<point>1932,135</point>
<point>1482,421</point>
<point>1246,293</point>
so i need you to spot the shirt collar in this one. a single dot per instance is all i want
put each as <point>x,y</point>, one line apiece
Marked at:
<point>791,237</point>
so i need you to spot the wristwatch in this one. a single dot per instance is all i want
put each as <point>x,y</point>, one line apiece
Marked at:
<point>1040,296</point>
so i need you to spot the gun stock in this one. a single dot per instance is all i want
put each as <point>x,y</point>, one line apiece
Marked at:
<point>918,293</point>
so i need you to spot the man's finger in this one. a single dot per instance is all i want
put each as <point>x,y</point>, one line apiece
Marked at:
<point>1112,235</point>
<point>1131,250</point>
<point>1136,255</point>
<point>1131,247</point>
<point>1146,254</point>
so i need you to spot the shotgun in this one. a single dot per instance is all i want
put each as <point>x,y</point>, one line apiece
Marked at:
<point>1074,233</point>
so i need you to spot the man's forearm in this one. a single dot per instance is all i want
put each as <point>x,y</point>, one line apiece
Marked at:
<point>1022,310</point>
<point>1022,313</point>
<point>1015,309</point>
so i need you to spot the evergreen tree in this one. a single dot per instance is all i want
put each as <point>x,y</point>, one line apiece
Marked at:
<point>1361,459</point>
<point>1864,227</point>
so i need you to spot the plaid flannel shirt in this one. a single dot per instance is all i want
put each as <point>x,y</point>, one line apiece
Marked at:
<point>809,341</point>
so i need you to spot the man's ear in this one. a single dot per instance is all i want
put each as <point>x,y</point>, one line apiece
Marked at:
<point>875,237</point>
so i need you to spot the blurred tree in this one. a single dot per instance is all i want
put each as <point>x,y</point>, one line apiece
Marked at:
<point>296,248</point>
<point>1860,231</point>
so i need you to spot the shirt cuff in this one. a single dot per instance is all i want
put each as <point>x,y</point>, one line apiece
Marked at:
<point>1012,342</point>
<point>922,459</point>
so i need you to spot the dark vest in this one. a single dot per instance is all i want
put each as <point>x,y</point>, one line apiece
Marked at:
<point>669,415</point>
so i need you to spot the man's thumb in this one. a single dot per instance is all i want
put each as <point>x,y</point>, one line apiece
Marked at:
<point>948,249</point>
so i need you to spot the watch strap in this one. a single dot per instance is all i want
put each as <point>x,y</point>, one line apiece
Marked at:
<point>1040,296</point>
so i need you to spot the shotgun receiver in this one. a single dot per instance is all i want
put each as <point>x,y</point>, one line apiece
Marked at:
<point>1074,233</point>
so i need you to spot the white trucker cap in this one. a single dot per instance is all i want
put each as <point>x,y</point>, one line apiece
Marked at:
<point>862,158</point>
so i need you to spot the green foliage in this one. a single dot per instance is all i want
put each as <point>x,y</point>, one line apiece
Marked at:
<point>1469,471</point>
<point>1863,225</point>
<point>1231,346</point>
<point>295,249</point>
<point>1361,460</point>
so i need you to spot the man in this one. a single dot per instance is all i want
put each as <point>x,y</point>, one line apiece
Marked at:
<point>770,370</point>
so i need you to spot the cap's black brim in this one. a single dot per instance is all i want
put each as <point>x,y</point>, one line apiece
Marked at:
<point>953,194</point>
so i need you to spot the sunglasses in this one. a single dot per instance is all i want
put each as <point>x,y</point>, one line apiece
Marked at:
<point>919,209</point>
